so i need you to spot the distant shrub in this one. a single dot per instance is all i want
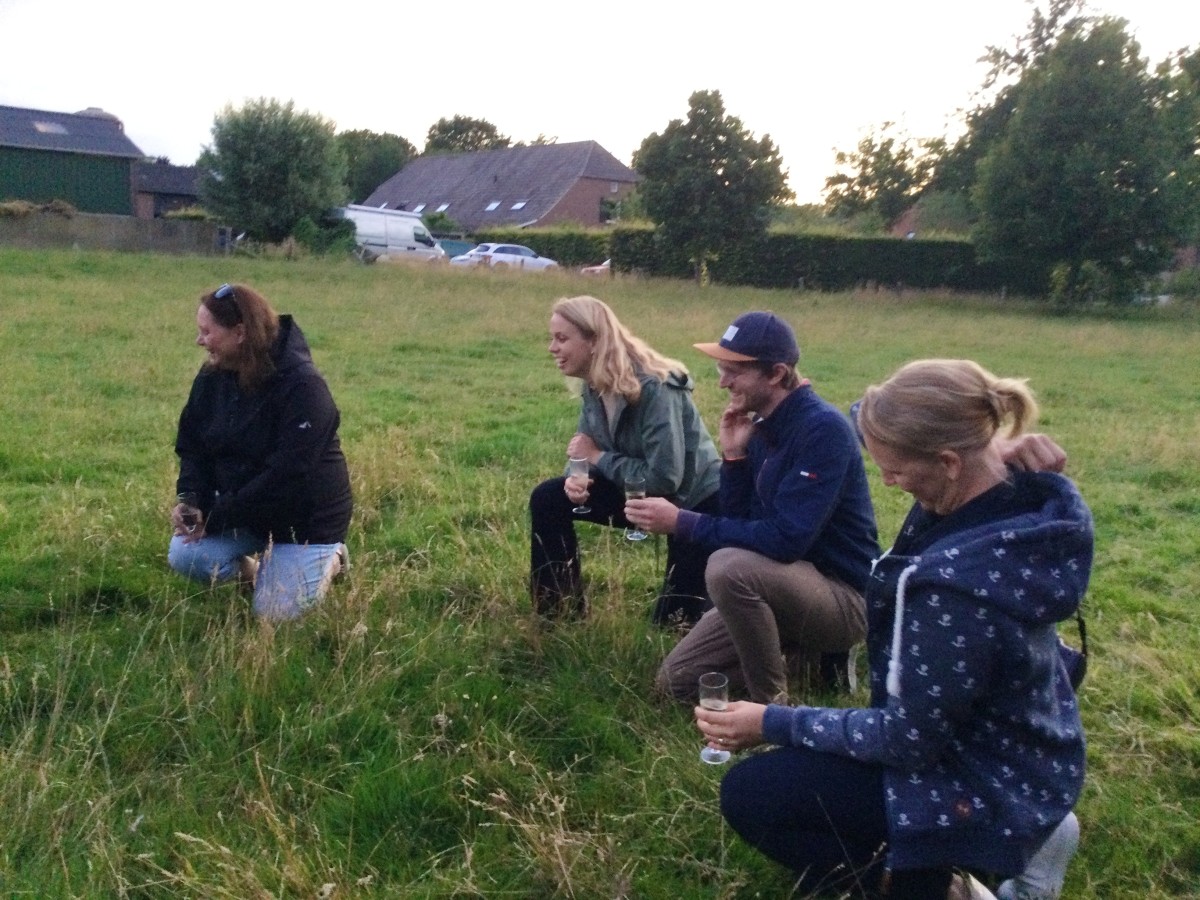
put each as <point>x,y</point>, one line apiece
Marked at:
<point>16,209</point>
<point>189,213</point>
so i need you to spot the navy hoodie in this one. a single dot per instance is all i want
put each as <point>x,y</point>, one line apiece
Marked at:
<point>269,460</point>
<point>972,714</point>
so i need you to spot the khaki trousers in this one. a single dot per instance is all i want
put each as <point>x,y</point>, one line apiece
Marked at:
<point>764,611</point>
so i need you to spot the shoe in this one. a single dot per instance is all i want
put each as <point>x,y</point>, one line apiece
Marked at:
<point>247,574</point>
<point>968,887</point>
<point>1043,877</point>
<point>337,567</point>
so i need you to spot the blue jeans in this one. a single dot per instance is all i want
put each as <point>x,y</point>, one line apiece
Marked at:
<point>291,577</point>
<point>823,817</point>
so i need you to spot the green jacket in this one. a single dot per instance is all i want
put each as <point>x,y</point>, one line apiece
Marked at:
<point>660,438</point>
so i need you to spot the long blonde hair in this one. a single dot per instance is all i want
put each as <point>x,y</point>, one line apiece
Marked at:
<point>932,405</point>
<point>618,355</point>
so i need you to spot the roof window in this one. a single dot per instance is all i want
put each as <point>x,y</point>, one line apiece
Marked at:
<point>50,127</point>
<point>443,207</point>
<point>491,207</point>
<point>418,207</point>
<point>520,204</point>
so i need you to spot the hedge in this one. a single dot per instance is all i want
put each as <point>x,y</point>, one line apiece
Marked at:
<point>787,260</point>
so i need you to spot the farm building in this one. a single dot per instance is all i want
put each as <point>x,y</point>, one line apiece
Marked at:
<point>545,184</point>
<point>82,158</point>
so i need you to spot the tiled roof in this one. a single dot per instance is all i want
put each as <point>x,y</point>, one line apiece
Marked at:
<point>160,178</point>
<point>533,179</point>
<point>92,131</point>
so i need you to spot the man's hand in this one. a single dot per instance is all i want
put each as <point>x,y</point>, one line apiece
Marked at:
<point>734,431</point>
<point>654,514</point>
<point>1032,453</point>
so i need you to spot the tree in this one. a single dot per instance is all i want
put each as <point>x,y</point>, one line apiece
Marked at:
<point>954,168</point>
<point>884,176</point>
<point>707,182</point>
<point>1081,170</point>
<point>463,134</point>
<point>270,166</point>
<point>1178,99</point>
<point>372,159</point>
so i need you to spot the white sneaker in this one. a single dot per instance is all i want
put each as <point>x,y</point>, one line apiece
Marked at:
<point>1043,877</point>
<point>337,566</point>
<point>968,887</point>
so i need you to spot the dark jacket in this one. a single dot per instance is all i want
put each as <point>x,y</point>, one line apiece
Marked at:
<point>800,494</point>
<point>973,716</point>
<point>660,438</point>
<point>267,461</point>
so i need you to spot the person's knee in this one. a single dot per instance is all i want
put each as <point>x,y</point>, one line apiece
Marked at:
<point>183,558</point>
<point>736,807</point>
<point>672,683</point>
<point>720,570</point>
<point>545,495</point>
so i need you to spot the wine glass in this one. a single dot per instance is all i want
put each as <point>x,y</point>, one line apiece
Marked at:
<point>714,695</point>
<point>191,514</point>
<point>635,489</point>
<point>578,472</point>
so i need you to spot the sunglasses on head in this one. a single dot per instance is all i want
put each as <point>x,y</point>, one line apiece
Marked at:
<point>223,292</point>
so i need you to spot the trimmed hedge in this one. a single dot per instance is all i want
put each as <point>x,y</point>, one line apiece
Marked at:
<point>787,260</point>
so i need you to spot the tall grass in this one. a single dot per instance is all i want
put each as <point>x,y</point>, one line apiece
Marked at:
<point>420,734</point>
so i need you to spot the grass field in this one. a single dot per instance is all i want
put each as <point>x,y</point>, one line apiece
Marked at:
<point>419,735</point>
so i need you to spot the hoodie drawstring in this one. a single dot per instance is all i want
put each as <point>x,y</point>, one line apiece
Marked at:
<point>894,666</point>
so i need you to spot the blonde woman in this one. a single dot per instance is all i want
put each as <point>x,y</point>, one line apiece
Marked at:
<point>971,752</point>
<point>637,420</point>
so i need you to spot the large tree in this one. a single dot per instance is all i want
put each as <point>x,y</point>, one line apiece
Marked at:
<point>954,170</point>
<point>1179,102</point>
<point>463,134</point>
<point>707,182</point>
<point>372,159</point>
<point>1080,172</point>
<point>270,166</point>
<point>884,176</point>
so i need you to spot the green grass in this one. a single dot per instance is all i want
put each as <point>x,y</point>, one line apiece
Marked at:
<point>420,735</point>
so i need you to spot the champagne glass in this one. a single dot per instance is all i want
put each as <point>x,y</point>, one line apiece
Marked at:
<point>714,695</point>
<point>191,514</point>
<point>635,489</point>
<point>578,472</point>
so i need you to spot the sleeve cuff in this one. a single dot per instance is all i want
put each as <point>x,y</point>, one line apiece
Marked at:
<point>777,724</point>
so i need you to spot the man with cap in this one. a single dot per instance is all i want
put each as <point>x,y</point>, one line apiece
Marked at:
<point>796,532</point>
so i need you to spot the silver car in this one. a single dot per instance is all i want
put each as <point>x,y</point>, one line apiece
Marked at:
<point>504,256</point>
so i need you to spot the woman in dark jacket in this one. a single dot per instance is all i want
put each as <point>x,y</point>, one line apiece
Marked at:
<point>971,751</point>
<point>261,470</point>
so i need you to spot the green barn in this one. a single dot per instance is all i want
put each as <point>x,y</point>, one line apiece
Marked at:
<point>83,158</point>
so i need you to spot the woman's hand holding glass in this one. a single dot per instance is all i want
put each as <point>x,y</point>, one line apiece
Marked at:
<point>577,484</point>
<point>737,727</point>
<point>187,518</point>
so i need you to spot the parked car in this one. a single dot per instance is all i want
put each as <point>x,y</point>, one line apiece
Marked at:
<point>503,256</point>
<point>390,234</point>
<point>603,269</point>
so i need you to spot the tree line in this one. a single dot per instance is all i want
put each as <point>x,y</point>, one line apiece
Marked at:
<point>1080,160</point>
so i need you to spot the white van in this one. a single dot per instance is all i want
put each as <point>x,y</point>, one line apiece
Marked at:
<point>390,234</point>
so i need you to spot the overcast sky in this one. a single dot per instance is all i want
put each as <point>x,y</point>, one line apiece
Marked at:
<point>815,75</point>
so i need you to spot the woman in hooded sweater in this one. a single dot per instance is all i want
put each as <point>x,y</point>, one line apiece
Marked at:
<point>971,751</point>
<point>263,485</point>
